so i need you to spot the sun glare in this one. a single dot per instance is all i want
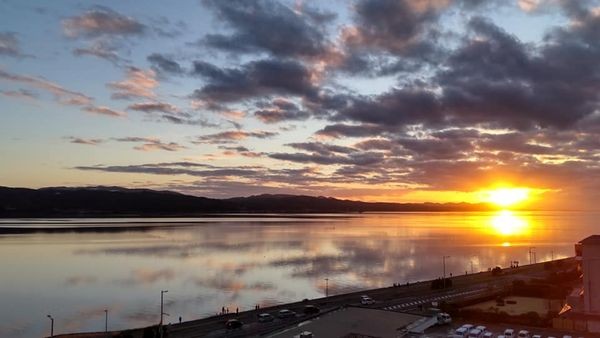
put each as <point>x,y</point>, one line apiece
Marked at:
<point>505,197</point>
<point>507,223</point>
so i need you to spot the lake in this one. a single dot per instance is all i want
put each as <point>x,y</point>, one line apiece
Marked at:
<point>238,261</point>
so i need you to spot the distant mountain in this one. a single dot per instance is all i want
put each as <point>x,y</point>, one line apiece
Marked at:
<point>117,201</point>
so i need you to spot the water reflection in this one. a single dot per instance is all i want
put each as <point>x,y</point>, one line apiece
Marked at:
<point>507,223</point>
<point>239,263</point>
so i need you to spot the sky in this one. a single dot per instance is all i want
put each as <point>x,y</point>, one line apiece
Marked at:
<point>377,100</point>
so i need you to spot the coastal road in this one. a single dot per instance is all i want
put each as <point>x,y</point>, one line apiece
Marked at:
<point>395,298</point>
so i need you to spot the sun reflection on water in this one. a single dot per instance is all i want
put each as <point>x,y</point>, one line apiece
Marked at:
<point>507,223</point>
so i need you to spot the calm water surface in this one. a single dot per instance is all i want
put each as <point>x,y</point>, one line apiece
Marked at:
<point>238,262</point>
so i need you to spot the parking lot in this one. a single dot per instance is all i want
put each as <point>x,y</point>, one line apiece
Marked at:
<point>498,329</point>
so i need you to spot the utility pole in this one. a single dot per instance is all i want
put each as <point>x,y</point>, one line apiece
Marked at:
<point>51,326</point>
<point>531,254</point>
<point>106,320</point>
<point>326,287</point>
<point>160,326</point>
<point>444,273</point>
<point>162,292</point>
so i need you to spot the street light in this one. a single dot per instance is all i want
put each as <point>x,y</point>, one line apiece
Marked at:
<point>51,326</point>
<point>162,292</point>
<point>444,275</point>
<point>106,320</point>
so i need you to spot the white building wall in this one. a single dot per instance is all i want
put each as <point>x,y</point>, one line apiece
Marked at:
<point>591,278</point>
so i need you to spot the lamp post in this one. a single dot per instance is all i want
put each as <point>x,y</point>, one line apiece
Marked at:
<point>106,320</point>
<point>162,292</point>
<point>326,287</point>
<point>444,273</point>
<point>51,326</point>
<point>532,254</point>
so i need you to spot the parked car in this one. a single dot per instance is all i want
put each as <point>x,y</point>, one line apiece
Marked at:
<point>481,327</point>
<point>285,313</point>
<point>443,318</point>
<point>524,334</point>
<point>488,334</point>
<point>311,310</point>
<point>265,318</point>
<point>468,326</point>
<point>509,333</point>
<point>461,332</point>
<point>233,324</point>
<point>475,333</point>
<point>536,336</point>
<point>365,300</point>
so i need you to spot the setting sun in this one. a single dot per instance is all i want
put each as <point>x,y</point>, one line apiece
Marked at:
<point>505,197</point>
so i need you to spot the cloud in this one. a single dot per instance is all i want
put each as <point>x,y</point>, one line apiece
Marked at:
<point>252,25</point>
<point>102,49</point>
<point>62,95</point>
<point>20,94</point>
<point>280,110</point>
<point>150,144</point>
<point>254,79</point>
<point>86,141</point>
<point>233,136</point>
<point>151,107</point>
<point>101,110</point>
<point>164,64</point>
<point>137,83</point>
<point>101,21</point>
<point>9,44</point>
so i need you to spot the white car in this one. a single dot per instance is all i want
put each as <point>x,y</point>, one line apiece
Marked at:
<point>475,333</point>
<point>536,336</point>
<point>461,332</point>
<point>367,301</point>
<point>524,334</point>
<point>509,333</point>
<point>488,334</point>
<point>481,327</point>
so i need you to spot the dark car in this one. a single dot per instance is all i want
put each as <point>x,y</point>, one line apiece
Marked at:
<point>233,324</point>
<point>311,310</point>
<point>265,318</point>
<point>285,313</point>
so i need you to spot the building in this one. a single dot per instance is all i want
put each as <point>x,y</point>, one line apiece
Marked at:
<point>582,311</point>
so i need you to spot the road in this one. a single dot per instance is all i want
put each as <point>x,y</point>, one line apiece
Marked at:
<point>394,298</point>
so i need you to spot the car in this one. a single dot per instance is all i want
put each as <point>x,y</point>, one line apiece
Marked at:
<point>566,336</point>
<point>233,324</point>
<point>367,301</point>
<point>265,318</point>
<point>475,333</point>
<point>468,326</point>
<point>488,334</point>
<point>461,332</point>
<point>523,334</point>
<point>443,318</point>
<point>285,313</point>
<point>311,310</point>
<point>481,327</point>
<point>536,336</point>
<point>509,333</point>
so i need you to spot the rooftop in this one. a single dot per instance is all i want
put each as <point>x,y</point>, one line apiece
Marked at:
<point>353,320</point>
<point>591,240</point>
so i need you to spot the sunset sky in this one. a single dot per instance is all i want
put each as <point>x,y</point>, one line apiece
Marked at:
<point>406,101</point>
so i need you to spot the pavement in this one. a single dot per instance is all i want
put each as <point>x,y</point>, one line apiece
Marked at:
<point>394,298</point>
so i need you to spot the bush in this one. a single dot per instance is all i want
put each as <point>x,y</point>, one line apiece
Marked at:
<point>496,271</point>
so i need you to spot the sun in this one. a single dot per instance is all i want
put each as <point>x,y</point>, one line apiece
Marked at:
<point>506,197</point>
